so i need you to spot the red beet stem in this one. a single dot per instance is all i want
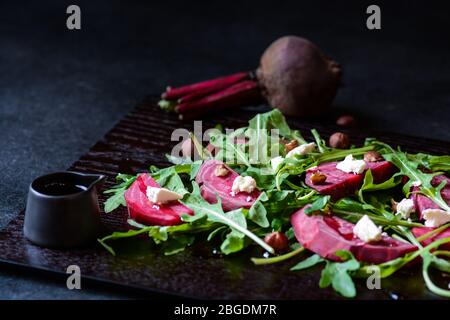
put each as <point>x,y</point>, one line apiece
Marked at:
<point>239,94</point>
<point>199,89</point>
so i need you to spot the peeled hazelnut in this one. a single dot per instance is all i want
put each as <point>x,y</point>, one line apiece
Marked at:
<point>277,240</point>
<point>346,121</point>
<point>291,145</point>
<point>220,171</point>
<point>372,156</point>
<point>318,178</point>
<point>187,149</point>
<point>339,140</point>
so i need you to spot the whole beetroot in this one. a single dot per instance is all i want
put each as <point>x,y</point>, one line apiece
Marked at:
<point>293,75</point>
<point>297,78</point>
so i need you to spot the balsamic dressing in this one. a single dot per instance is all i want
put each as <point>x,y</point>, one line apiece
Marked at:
<point>60,188</point>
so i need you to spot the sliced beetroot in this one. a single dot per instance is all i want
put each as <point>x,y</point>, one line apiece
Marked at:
<point>325,235</point>
<point>340,184</point>
<point>212,186</point>
<point>422,202</point>
<point>143,211</point>
<point>418,232</point>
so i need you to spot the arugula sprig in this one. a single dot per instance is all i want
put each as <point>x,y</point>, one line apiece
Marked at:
<point>410,167</point>
<point>336,274</point>
<point>234,219</point>
<point>117,198</point>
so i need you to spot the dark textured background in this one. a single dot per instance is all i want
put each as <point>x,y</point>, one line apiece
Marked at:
<point>61,90</point>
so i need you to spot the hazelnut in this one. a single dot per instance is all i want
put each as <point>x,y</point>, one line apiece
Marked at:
<point>277,240</point>
<point>339,140</point>
<point>220,171</point>
<point>346,121</point>
<point>187,149</point>
<point>372,156</point>
<point>291,145</point>
<point>318,178</point>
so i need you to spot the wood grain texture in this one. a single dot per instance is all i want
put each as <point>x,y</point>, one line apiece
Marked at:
<point>142,138</point>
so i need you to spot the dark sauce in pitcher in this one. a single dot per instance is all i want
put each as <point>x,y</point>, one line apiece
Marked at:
<point>60,188</point>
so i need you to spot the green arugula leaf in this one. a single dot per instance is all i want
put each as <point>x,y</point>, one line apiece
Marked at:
<point>411,169</point>
<point>215,232</point>
<point>271,120</point>
<point>234,219</point>
<point>433,163</point>
<point>337,275</point>
<point>318,205</point>
<point>308,263</point>
<point>169,177</point>
<point>321,144</point>
<point>353,210</point>
<point>258,213</point>
<point>118,199</point>
<point>369,186</point>
<point>233,242</point>
<point>178,244</point>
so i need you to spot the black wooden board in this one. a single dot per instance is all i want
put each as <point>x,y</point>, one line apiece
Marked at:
<point>142,138</point>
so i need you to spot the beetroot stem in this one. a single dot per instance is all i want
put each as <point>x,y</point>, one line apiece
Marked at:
<point>196,90</point>
<point>237,95</point>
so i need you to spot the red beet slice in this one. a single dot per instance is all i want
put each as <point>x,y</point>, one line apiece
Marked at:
<point>340,184</point>
<point>143,211</point>
<point>325,235</point>
<point>418,232</point>
<point>212,186</point>
<point>421,202</point>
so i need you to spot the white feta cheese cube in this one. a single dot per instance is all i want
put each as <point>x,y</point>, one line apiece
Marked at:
<point>243,184</point>
<point>366,230</point>
<point>161,195</point>
<point>405,208</point>
<point>302,149</point>
<point>351,165</point>
<point>275,163</point>
<point>435,217</point>
<point>416,183</point>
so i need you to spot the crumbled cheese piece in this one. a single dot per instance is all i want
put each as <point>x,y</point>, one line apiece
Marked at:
<point>366,230</point>
<point>161,195</point>
<point>416,183</point>
<point>275,163</point>
<point>243,184</point>
<point>248,199</point>
<point>405,208</point>
<point>350,165</point>
<point>220,171</point>
<point>302,149</point>
<point>435,217</point>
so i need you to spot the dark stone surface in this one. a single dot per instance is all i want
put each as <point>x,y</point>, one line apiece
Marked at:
<point>61,90</point>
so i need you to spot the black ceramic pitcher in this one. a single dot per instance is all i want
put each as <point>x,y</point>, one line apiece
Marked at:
<point>62,210</point>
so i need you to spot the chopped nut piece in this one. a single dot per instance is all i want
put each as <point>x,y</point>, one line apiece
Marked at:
<point>318,178</point>
<point>372,156</point>
<point>291,145</point>
<point>339,140</point>
<point>221,171</point>
<point>394,205</point>
<point>277,240</point>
